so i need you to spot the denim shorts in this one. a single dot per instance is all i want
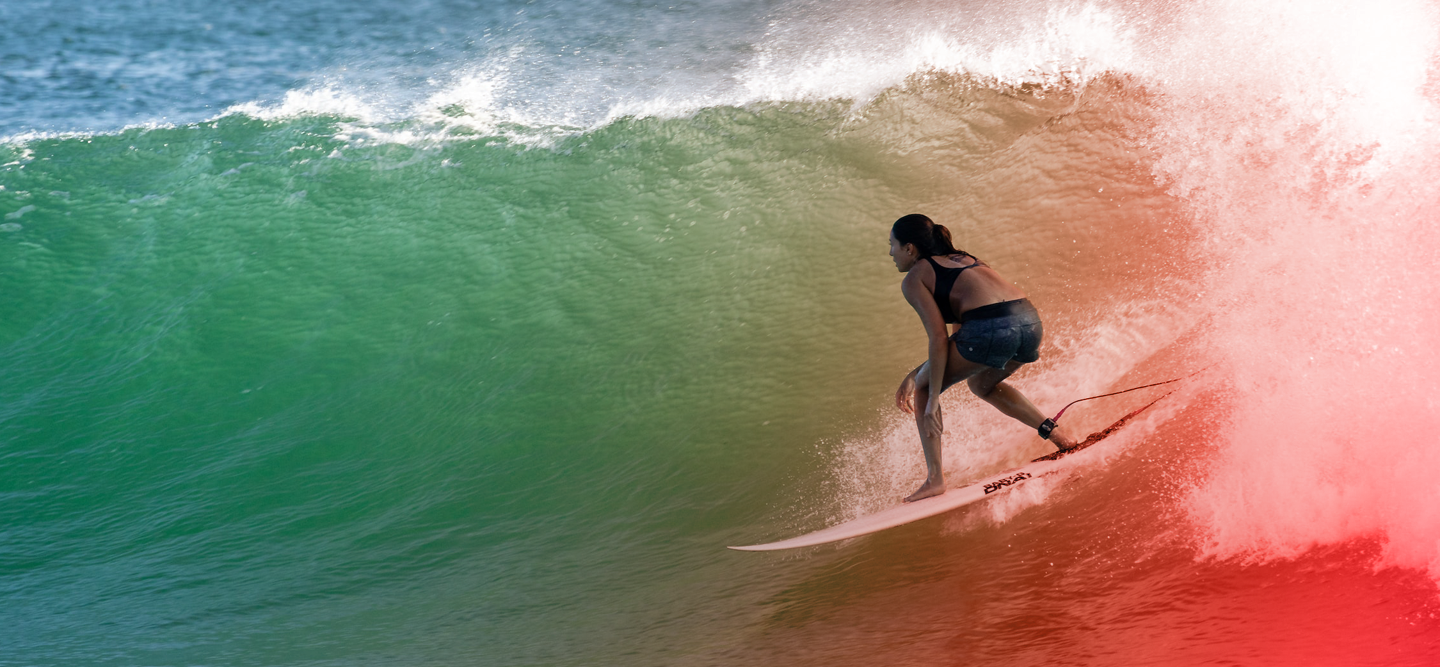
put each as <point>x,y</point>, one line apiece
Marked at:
<point>995,334</point>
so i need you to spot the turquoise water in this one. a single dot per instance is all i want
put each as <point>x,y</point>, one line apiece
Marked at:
<point>333,337</point>
<point>562,356</point>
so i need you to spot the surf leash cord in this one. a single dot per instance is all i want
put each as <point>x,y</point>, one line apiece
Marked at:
<point>1049,424</point>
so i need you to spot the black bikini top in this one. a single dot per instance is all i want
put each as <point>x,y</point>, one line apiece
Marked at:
<point>945,278</point>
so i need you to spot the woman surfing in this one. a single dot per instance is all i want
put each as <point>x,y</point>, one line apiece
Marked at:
<point>996,332</point>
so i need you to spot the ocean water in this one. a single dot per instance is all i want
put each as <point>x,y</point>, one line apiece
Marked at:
<point>463,333</point>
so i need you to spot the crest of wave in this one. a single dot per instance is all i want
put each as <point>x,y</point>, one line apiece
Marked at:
<point>317,101</point>
<point>1306,148</point>
<point>819,51</point>
<point>472,105</point>
<point>857,56</point>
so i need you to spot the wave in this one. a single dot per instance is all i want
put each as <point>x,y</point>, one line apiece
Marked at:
<point>1283,185</point>
<point>545,332</point>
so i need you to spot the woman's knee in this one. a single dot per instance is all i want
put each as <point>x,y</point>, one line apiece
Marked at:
<point>922,391</point>
<point>981,384</point>
<point>922,378</point>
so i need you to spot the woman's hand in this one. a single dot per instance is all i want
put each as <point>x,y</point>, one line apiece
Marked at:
<point>934,421</point>
<point>905,395</point>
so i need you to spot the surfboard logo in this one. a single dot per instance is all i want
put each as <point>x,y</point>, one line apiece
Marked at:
<point>1007,481</point>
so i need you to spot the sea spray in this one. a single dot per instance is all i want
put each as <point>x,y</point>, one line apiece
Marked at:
<point>1309,164</point>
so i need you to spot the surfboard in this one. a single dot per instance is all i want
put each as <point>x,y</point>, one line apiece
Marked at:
<point>950,500</point>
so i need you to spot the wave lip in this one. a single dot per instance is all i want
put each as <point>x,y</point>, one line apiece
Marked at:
<point>522,92</point>
<point>1305,152</point>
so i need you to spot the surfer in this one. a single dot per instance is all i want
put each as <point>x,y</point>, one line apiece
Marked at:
<point>996,332</point>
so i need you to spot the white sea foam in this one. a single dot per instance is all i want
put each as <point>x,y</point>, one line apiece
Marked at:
<point>1305,149</point>
<point>322,100</point>
<point>1063,44</point>
<point>514,93</point>
<point>23,139</point>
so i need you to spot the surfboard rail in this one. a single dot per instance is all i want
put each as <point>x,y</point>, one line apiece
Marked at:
<point>952,499</point>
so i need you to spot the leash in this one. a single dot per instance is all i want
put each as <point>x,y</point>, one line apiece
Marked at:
<point>1050,423</point>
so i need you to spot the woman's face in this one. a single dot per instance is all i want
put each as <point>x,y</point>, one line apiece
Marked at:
<point>904,254</point>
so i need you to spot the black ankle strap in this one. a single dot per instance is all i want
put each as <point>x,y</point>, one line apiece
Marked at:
<point>1045,428</point>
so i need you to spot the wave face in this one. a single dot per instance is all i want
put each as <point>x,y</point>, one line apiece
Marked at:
<point>425,333</point>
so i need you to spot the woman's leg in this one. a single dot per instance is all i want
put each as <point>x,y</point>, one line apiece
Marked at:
<point>989,384</point>
<point>957,368</point>
<point>934,475</point>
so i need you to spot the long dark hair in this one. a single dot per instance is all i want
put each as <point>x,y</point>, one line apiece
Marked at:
<point>929,238</point>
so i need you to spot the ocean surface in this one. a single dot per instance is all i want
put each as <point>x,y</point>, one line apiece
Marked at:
<point>450,332</point>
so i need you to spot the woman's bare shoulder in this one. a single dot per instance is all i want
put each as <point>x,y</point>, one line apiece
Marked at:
<point>920,272</point>
<point>918,279</point>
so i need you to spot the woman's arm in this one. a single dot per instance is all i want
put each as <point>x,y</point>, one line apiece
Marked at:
<point>920,298</point>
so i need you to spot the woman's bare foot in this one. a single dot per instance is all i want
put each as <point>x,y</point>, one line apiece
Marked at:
<point>1062,438</point>
<point>929,488</point>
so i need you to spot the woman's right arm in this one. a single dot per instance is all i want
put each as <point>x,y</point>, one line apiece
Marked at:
<point>920,298</point>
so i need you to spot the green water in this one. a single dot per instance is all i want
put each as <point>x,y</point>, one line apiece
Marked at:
<point>260,380</point>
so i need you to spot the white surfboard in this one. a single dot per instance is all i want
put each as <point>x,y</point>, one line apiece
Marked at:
<point>951,499</point>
